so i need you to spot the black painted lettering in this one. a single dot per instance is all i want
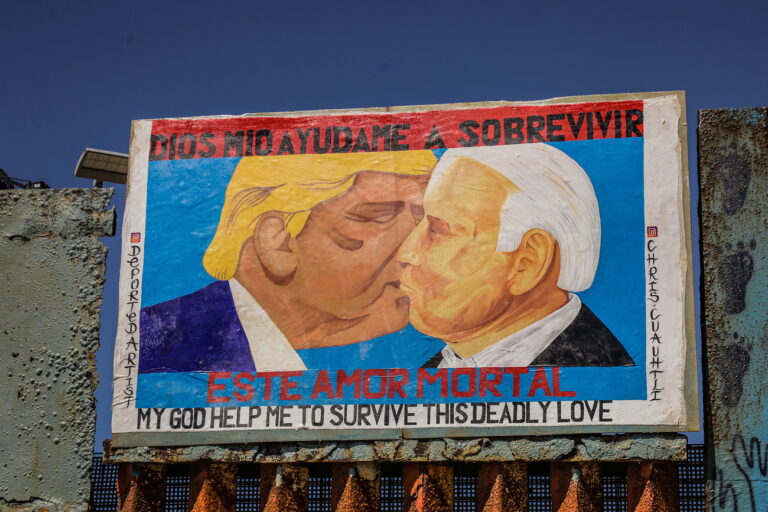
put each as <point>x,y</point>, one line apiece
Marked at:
<point>263,142</point>
<point>553,128</point>
<point>316,141</point>
<point>472,138</point>
<point>210,148</point>
<point>286,145</point>
<point>434,139</point>
<point>576,125</point>
<point>382,133</point>
<point>534,125</point>
<point>513,130</point>
<point>187,145</point>
<point>342,139</point>
<point>158,147</point>
<point>604,122</point>
<point>303,137</point>
<point>398,138</point>
<point>233,142</point>
<point>361,143</point>
<point>633,118</point>
<point>491,132</point>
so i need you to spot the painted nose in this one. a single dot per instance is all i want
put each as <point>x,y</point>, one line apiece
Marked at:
<point>408,254</point>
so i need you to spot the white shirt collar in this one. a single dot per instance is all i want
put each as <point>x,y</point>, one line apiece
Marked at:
<point>519,349</point>
<point>270,349</point>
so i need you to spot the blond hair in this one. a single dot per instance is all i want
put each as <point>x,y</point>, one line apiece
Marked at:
<point>293,185</point>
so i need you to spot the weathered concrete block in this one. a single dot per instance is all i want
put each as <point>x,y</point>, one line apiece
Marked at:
<point>52,266</point>
<point>611,448</point>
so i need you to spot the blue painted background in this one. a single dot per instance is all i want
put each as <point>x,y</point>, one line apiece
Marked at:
<point>184,199</point>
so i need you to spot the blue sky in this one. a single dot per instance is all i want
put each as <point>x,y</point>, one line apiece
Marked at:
<point>74,74</point>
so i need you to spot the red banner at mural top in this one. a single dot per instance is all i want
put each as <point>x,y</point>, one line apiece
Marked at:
<point>351,133</point>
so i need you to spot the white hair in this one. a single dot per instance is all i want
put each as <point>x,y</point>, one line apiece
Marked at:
<point>555,194</point>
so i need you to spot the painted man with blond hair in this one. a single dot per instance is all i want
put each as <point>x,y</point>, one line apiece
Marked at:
<point>303,257</point>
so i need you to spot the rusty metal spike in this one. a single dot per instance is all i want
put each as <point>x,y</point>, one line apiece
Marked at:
<point>576,498</point>
<point>354,498</point>
<point>282,498</point>
<point>652,500</point>
<point>426,496</point>
<point>499,498</point>
<point>208,500</point>
<point>135,500</point>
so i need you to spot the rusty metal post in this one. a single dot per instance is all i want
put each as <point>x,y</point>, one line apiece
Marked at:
<point>576,487</point>
<point>428,487</point>
<point>652,487</point>
<point>283,487</point>
<point>502,487</point>
<point>355,487</point>
<point>733,174</point>
<point>141,487</point>
<point>212,487</point>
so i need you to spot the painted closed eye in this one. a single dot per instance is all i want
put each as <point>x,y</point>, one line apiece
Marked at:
<point>378,212</point>
<point>437,227</point>
<point>343,241</point>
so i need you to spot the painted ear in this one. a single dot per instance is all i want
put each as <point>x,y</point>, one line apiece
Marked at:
<point>531,261</point>
<point>275,248</point>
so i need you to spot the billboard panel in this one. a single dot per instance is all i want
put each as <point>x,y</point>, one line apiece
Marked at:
<point>505,268</point>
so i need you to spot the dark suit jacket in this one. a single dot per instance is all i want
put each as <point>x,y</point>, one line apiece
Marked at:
<point>196,332</point>
<point>586,342</point>
<point>201,332</point>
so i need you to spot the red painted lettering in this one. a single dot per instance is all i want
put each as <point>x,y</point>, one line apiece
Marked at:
<point>213,387</point>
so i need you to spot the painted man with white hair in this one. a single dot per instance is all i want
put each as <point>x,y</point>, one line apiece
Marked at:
<point>509,234</point>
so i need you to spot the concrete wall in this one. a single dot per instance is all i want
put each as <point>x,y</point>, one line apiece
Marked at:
<point>51,277</point>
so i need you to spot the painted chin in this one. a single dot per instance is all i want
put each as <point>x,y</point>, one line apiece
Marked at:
<point>426,320</point>
<point>418,322</point>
